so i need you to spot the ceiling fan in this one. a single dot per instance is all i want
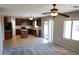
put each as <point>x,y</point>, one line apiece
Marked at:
<point>54,12</point>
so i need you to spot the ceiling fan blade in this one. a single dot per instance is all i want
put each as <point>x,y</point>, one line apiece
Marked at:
<point>64,15</point>
<point>46,13</point>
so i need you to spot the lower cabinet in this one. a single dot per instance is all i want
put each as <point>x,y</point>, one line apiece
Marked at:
<point>8,34</point>
<point>24,34</point>
<point>32,32</point>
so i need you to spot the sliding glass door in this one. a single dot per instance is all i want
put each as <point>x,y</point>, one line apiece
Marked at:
<point>48,29</point>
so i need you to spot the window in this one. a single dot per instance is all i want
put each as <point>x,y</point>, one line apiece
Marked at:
<point>71,29</point>
<point>67,29</point>
<point>75,30</point>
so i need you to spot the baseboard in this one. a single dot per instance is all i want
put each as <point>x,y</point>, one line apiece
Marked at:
<point>74,50</point>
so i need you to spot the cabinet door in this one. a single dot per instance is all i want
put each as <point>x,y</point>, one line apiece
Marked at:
<point>5,20</point>
<point>8,35</point>
<point>18,21</point>
<point>39,22</point>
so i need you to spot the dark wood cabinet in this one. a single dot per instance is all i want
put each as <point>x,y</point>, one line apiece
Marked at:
<point>32,32</point>
<point>5,20</point>
<point>20,21</point>
<point>24,33</point>
<point>30,22</point>
<point>18,31</point>
<point>7,28</point>
<point>8,34</point>
<point>39,22</point>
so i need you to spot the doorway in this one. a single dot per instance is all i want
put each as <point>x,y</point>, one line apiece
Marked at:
<point>48,30</point>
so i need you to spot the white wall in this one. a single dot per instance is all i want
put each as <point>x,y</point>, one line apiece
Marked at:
<point>12,20</point>
<point>58,32</point>
<point>13,26</point>
<point>1,34</point>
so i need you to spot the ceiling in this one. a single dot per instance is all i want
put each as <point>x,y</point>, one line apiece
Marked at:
<point>34,10</point>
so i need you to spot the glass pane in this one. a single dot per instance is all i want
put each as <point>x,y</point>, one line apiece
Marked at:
<point>46,36</point>
<point>67,29</point>
<point>75,30</point>
<point>46,29</point>
<point>50,36</point>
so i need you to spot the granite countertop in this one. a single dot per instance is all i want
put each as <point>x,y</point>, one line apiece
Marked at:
<point>24,30</point>
<point>27,28</point>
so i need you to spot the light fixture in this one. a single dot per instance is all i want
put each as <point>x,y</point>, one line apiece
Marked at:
<point>31,18</point>
<point>54,14</point>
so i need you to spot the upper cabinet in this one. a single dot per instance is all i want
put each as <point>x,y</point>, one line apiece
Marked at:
<point>39,22</point>
<point>5,20</point>
<point>20,21</point>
